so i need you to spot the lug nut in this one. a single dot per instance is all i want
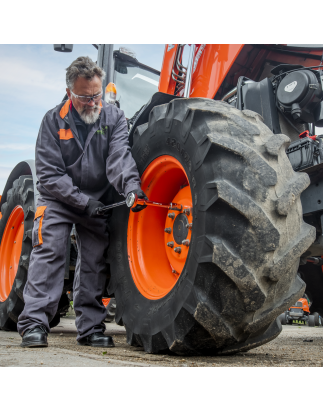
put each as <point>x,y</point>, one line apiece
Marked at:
<point>11,267</point>
<point>170,244</point>
<point>189,226</point>
<point>14,242</point>
<point>171,215</point>
<point>178,250</point>
<point>186,242</point>
<point>168,230</point>
<point>187,211</point>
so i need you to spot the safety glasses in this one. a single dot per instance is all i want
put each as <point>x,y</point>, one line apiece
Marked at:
<point>87,99</point>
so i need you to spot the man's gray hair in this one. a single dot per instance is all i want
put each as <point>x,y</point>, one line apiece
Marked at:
<point>83,67</point>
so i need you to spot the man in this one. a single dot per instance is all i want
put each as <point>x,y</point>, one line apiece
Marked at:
<point>81,149</point>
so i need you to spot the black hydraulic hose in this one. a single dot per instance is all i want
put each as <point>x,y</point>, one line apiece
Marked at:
<point>287,72</point>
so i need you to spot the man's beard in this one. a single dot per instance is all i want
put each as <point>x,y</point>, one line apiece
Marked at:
<point>91,116</point>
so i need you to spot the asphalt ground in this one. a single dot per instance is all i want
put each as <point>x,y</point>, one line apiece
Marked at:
<point>296,346</point>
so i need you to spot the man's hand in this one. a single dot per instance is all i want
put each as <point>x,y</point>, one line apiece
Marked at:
<point>91,207</point>
<point>142,195</point>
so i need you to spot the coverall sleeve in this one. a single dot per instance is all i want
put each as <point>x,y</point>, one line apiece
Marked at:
<point>121,168</point>
<point>50,166</point>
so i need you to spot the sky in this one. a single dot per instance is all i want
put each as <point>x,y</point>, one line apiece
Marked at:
<point>32,82</point>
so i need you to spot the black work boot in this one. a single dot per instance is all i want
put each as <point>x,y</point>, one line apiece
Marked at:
<point>35,337</point>
<point>97,339</point>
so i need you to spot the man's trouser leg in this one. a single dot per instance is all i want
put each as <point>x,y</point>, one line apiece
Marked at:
<point>90,276</point>
<point>46,271</point>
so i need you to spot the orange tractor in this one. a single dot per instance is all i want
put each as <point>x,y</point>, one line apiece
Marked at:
<point>212,275</point>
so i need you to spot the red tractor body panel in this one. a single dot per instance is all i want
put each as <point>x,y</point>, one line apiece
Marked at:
<point>217,67</point>
<point>211,64</point>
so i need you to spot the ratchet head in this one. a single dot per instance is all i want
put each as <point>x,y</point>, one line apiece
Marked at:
<point>131,199</point>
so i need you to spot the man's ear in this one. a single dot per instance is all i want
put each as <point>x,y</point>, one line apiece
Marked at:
<point>68,93</point>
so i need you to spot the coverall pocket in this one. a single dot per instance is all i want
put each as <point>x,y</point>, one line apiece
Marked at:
<point>38,223</point>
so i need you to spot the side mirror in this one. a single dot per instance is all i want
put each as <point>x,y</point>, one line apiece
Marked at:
<point>64,48</point>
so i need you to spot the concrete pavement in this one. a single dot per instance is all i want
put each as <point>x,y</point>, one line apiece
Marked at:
<point>295,346</point>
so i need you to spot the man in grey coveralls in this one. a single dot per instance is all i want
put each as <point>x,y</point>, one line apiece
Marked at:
<point>82,147</point>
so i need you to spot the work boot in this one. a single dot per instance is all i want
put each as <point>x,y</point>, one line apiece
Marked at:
<point>35,337</point>
<point>97,339</point>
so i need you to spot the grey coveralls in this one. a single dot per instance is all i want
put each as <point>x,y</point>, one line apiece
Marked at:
<point>68,176</point>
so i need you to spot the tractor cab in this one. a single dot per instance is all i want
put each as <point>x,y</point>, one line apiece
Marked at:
<point>135,82</point>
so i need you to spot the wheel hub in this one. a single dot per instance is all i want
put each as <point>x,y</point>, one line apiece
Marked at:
<point>180,233</point>
<point>180,229</point>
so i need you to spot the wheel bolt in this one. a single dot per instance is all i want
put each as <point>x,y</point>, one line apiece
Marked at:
<point>178,250</point>
<point>170,244</point>
<point>171,215</point>
<point>186,242</point>
<point>168,230</point>
<point>10,267</point>
<point>14,242</point>
<point>187,211</point>
<point>189,226</point>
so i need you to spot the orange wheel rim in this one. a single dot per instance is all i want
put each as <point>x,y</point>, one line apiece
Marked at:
<point>10,251</point>
<point>155,263</point>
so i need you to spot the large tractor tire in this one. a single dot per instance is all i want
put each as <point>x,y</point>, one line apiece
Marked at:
<point>213,277</point>
<point>16,226</point>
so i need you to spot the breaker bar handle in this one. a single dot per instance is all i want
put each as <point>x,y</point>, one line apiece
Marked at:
<point>132,200</point>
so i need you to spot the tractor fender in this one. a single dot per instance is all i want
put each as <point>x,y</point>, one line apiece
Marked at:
<point>157,99</point>
<point>26,167</point>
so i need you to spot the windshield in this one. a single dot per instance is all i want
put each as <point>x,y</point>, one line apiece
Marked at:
<point>135,86</point>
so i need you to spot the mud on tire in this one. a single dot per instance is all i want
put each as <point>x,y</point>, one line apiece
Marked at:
<point>248,233</point>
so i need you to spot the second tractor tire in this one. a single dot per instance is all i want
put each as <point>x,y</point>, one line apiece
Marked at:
<point>19,197</point>
<point>246,240</point>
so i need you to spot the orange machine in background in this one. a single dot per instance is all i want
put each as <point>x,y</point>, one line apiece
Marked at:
<point>300,314</point>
